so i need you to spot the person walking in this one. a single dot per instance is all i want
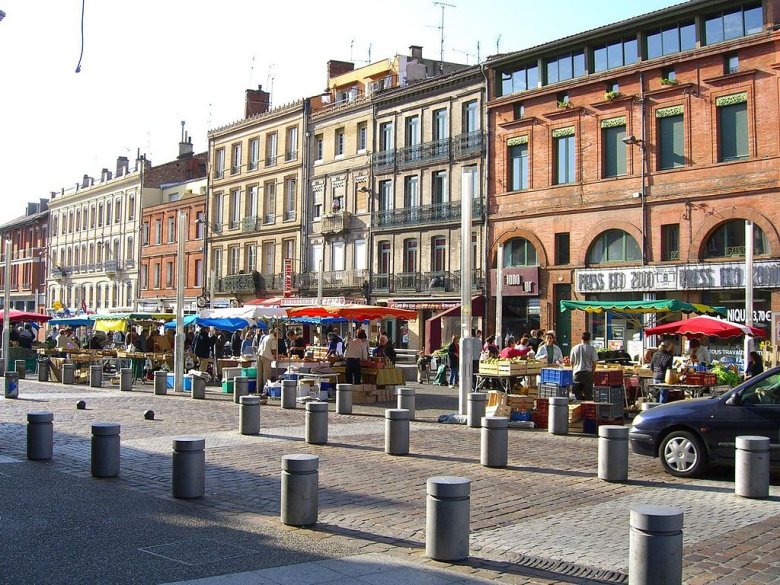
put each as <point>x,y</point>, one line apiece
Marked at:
<point>357,350</point>
<point>266,353</point>
<point>583,358</point>
<point>235,343</point>
<point>660,364</point>
<point>453,361</point>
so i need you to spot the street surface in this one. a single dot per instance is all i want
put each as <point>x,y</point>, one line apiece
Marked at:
<point>545,519</point>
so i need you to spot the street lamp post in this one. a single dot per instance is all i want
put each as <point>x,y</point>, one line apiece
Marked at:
<point>6,305</point>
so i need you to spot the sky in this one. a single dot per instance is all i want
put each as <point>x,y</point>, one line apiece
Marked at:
<point>148,65</point>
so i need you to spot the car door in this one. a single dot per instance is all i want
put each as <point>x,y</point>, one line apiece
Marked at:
<point>755,412</point>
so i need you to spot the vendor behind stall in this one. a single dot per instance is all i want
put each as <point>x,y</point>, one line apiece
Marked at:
<point>357,350</point>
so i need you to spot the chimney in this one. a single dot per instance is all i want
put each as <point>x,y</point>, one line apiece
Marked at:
<point>121,165</point>
<point>185,147</point>
<point>336,68</point>
<point>105,175</point>
<point>53,194</point>
<point>415,51</point>
<point>86,181</point>
<point>257,102</point>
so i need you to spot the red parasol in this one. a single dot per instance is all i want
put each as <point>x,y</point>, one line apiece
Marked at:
<point>17,316</point>
<point>704,325</point>
<point>354,312</point>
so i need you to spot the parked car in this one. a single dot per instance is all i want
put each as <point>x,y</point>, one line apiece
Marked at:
<point>690,435</point>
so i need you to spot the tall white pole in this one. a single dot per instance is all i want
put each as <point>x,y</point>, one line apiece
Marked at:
<point>748,286</point>
<point>7,305</point>
<point>500,297</point>
<point>178,363</point>
<point>466,368</point>
<point>212,287</point>
<point>320,274</point>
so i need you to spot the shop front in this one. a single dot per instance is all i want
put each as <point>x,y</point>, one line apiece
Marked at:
<point>438,319</point>
<point>520,307</point>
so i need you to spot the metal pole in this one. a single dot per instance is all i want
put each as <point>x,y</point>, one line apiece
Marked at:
<point>212,286</point>
<point>500,297</point>
<point>7,306</point>
<point>320,274</point>
<point>178,363</point>
<point>748,287</point>
<point>466,264</point>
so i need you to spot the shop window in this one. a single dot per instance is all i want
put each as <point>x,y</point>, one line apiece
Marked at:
<point>670,241</point>
<point>562,248</point>
<point>729,241</point>
<point>519,252</point>
<point>732,127</point>
<point>671,141</point>
<point>614,246</point>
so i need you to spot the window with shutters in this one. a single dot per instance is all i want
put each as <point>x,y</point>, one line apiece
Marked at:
<point>670,140</point>
<point>614,149</point>
<point>732,127</point>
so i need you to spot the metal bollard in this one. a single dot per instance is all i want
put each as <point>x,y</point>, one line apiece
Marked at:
<point>289,396</point>
<point>476,409</point>
<point>655,545</point>
<point>249,415</point>
<point>316,423</point>
<point>558,416</point>
<point>11,385</point>
<point>494,441</point>
<point>300,486</point>
<point>161,383</point>
<point>96,376</point>
<point>344,398</point>
<point>613,453</point>
<point>198,388</point>
<point>406,400</point>
<point>68,373</point>
<point>240,388</point>
<point>396,431</point>
<point>105,449</point>
<point>40,435</point>
<point>751,467</point>
<point>189,467</point>
<point>21,368</point>
<point>43,369</point>
<point>126,379</point>
<point>447,512</point>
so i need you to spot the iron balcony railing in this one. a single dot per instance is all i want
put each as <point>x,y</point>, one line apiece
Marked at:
<point>250,224</point>
<point>383,161</point>
<point>423,214</point>
<point>461,146</point>
<point>290,215</point>
<point>58,272</point>
<point>425,153</point>
<point>382,282</point>
<point>239,283</point>
<point>334,223</point>
<point>468,144</point>
<point>477,279</point>
<point>333,280</point>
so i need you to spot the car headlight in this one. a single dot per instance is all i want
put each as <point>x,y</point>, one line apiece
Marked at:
<point>638,420</point>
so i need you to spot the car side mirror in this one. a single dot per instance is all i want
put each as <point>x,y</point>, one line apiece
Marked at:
<point>733,400</point>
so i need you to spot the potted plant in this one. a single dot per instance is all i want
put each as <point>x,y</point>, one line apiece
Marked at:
<point>611,95</point>
<point>668,81</point>
<point>564,104</point>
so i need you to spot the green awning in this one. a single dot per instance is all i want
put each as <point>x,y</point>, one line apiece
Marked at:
<point>643,307</point>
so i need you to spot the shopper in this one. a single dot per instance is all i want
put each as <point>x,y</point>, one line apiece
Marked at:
<point>755,365</point>
<point>535,340</point>
<point>357,351</point>
<point>660,364</point>
<point>453,361</point>
<point>549,352</point>
<point>266,354</point>
<point>583,358</point>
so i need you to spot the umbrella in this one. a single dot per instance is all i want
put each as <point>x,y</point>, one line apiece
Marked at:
<point>16,316</point>
<point>73,321</point>
<point>221,323</point>
<point>352,312</point>
<point>704,325</point>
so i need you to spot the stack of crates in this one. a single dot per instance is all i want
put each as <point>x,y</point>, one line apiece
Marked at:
<point>550,390</point>
<point>541,413</point>
<point>607,408</point>
<point>555,382</point>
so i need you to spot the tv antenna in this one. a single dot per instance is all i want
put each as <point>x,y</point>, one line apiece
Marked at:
<point>467,54</point>
<point>251,71</point>
<point>270,83</point>
<point>443,5</point>
<point>498,40</point>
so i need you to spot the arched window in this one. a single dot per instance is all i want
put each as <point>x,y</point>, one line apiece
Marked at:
<point>99,254</point>
<point>614,246</point>
<point>78,219</point>
<point>91,302</point>
<point>519,252</point>
<point>108,213</point>
<point>729,241</point>
<point>129,292</point>
<point>115,293</point>
<point>92,253</point>
<point>76,256</point>
<point>92,217</point>
<point>129,254</point>
<point>100,214</point>
<point>70,257</point>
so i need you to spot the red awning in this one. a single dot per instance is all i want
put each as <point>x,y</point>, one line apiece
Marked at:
<point>269,302</point>
<point>477,309</point>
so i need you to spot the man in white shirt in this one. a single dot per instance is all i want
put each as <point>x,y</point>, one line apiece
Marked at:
<point>583,358</point>
<point>266,353</point>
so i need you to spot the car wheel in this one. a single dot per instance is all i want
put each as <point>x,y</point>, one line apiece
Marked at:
<point>682,454</point>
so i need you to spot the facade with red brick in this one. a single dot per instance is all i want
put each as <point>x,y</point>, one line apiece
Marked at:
<point>28,236</point>
<point>625,161</point>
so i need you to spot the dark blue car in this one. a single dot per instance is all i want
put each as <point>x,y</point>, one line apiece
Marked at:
<point>690,435</point>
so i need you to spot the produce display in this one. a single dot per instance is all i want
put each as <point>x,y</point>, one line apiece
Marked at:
<point>727,374</point>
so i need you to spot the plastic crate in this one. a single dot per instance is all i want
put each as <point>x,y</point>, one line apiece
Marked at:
<point>588,409</point>
<point>186,384</point>
<point>557,376</point>
<point>608,378</point>
<point>541,405</point>
<point>249,372</point>
<point>549,390</point>
<point>274,391</point>
<point>539,420</point>
<point>227,386</point>
<point>230,373</point>
<point>612,394</point>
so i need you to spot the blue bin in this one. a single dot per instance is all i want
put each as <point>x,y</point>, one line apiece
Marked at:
<point>186,384</point>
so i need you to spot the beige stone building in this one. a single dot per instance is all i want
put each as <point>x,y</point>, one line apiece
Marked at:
<point>254,205</point>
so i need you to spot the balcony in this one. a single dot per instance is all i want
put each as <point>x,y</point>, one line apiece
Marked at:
<point>468,144</point>
<point>111,266</point>
<point>383,161</point>
<point>290,215</point>
<point>269,218</point>
<point>129,263</point>
<point>268,281</point>
<point>382,282</point>
<point>239,283</point>
<point>477,279</point>
<point>234,224</point>
<point>338,280</point>
<point>424,154</point>
<point>423,214</point>
<point>334,223</point>
<point>217,228</point>
<point>58,273</point>
<point>250,224</point>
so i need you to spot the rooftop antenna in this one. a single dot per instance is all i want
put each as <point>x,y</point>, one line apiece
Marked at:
<point>443,5</point>
<point>498,40</point>
<point>270,83</point>
<point>369,52</point>
<point>479,59</point>
<point>251,71</point>
<point>182,130</point>
<point>351,45</point>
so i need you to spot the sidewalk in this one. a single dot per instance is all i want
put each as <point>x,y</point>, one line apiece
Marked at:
<point>544,519</point>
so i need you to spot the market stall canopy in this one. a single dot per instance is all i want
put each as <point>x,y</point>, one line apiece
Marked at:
<point>643,307</point>
<point>15,316</point>
<point>708,326</point>
<point>118,321</point>
<point>221,323</point>
<point>248,313</point>
<point>83,321</point>
<point>352,312</point>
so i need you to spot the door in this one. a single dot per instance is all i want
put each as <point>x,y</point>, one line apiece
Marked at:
<point>562,292</point>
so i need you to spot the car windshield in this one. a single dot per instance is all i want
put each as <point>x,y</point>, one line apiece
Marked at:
<point>765,391</point>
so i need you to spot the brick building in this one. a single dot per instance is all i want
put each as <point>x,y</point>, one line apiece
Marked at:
<point>626,160</point>
<point>28,235</point>
<point>159,247</point>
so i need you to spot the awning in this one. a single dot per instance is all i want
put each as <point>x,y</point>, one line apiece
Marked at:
<point>269,302</point>
<point>643,307</point>
<point>477,309</point>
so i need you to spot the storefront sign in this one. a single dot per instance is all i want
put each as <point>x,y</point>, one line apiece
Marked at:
<point>518,282</point>
<point>287,277</point>
<point>308,301</point>
<point>724,275</point>
<point>423,305</point>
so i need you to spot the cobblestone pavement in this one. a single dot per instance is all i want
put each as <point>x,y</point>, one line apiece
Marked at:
<point>546,518</point>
